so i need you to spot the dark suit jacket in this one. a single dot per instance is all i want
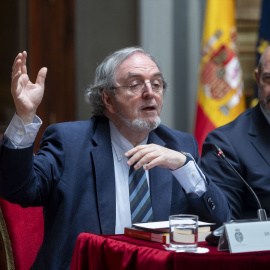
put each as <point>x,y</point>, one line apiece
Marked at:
<point>72,177</point>
<point>246,143</point>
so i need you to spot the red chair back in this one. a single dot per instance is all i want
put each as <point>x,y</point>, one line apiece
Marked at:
<point>25,227</point>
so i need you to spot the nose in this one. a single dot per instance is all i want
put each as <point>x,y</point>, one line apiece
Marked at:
<point>148,91</point>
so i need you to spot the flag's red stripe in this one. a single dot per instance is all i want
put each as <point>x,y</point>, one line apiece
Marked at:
<point>203,126</point>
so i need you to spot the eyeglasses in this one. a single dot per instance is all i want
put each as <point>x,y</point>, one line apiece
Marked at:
<point>138,87</point>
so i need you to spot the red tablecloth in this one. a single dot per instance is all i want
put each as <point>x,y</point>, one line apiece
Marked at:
<point>123,252</point>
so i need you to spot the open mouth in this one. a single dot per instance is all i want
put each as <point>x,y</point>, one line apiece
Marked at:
<point>149,108</point>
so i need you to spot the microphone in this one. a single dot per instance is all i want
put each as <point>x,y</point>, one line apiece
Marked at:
<point>260,212</point>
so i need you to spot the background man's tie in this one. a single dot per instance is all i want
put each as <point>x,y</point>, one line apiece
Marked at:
<point>139,196</point>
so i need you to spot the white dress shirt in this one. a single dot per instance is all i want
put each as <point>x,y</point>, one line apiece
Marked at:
<point>189,176</point>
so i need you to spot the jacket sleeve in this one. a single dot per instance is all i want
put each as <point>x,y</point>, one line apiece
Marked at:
<point>27,179</point>
<point>213,205</point>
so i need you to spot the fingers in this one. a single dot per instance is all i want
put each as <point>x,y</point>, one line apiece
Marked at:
<point>19,68</point>
<point>24,68</point>
<point>145,155</point>
<point>15,76</point>
<point>152,155</point>
<point>16,68</point>
<point>19,65</point>
<point>41,77</point>
<point>134,150</point>
<point>19,57</point>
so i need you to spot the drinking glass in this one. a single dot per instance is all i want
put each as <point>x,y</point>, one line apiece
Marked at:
<point>183,232</point>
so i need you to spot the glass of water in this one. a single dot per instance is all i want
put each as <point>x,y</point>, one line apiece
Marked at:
<point>183,232</point>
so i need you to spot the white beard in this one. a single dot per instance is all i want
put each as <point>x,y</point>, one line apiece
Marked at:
<point>140,124</point>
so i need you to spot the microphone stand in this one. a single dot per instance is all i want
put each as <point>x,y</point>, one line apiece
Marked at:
<point>217,238</point>
<point>260,212</point>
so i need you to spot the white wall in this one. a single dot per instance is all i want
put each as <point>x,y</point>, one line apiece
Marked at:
<point>156,37</point>
<point>170,30</point>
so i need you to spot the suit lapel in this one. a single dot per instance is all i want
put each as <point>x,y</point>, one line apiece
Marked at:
<point>105,179</point>
<point>259,132</point>
<point>160,180</point>
<point>160,186</point>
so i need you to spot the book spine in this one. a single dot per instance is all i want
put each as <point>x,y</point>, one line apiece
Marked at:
<point>160,238</point>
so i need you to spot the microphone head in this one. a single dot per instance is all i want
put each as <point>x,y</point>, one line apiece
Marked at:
<point>218,151</point>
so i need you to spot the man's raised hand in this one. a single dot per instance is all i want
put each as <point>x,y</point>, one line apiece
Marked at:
<point>26,95</point>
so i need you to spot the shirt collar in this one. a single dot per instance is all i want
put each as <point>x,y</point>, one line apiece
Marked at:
<point>120,144</point>
<point>267,116</point>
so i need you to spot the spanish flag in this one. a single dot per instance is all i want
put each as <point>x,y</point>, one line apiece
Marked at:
<point>220,89</point>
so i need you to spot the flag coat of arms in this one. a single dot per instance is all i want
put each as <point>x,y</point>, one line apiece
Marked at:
<point>220,89</point>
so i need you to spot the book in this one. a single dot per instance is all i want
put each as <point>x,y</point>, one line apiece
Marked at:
<point>155,236</point>
<point>189,231</point>
<point>163,226</point>
<point>189,238</point>
<point>163,237</point>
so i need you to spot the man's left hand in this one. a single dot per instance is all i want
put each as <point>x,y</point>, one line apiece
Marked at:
<point>151,155</point>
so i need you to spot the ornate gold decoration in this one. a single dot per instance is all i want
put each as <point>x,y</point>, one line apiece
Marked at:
<point>6,249</point>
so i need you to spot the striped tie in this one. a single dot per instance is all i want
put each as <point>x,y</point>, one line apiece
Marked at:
<point>139,196</point>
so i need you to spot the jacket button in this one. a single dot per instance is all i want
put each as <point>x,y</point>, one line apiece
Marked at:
<point>211,203</point>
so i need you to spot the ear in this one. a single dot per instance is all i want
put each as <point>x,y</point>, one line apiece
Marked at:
<point>256,75</point>
<point>109,101</point>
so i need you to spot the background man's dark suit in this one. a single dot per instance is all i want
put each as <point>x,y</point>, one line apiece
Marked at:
<point>73,178</point>
<point>246,143</point>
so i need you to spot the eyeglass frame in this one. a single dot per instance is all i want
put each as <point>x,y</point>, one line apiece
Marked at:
<point>143,87</point>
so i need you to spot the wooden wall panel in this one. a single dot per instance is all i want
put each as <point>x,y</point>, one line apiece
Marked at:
<point>51,44</point>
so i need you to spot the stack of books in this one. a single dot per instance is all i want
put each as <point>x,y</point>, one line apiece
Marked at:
<point>160,232</point>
